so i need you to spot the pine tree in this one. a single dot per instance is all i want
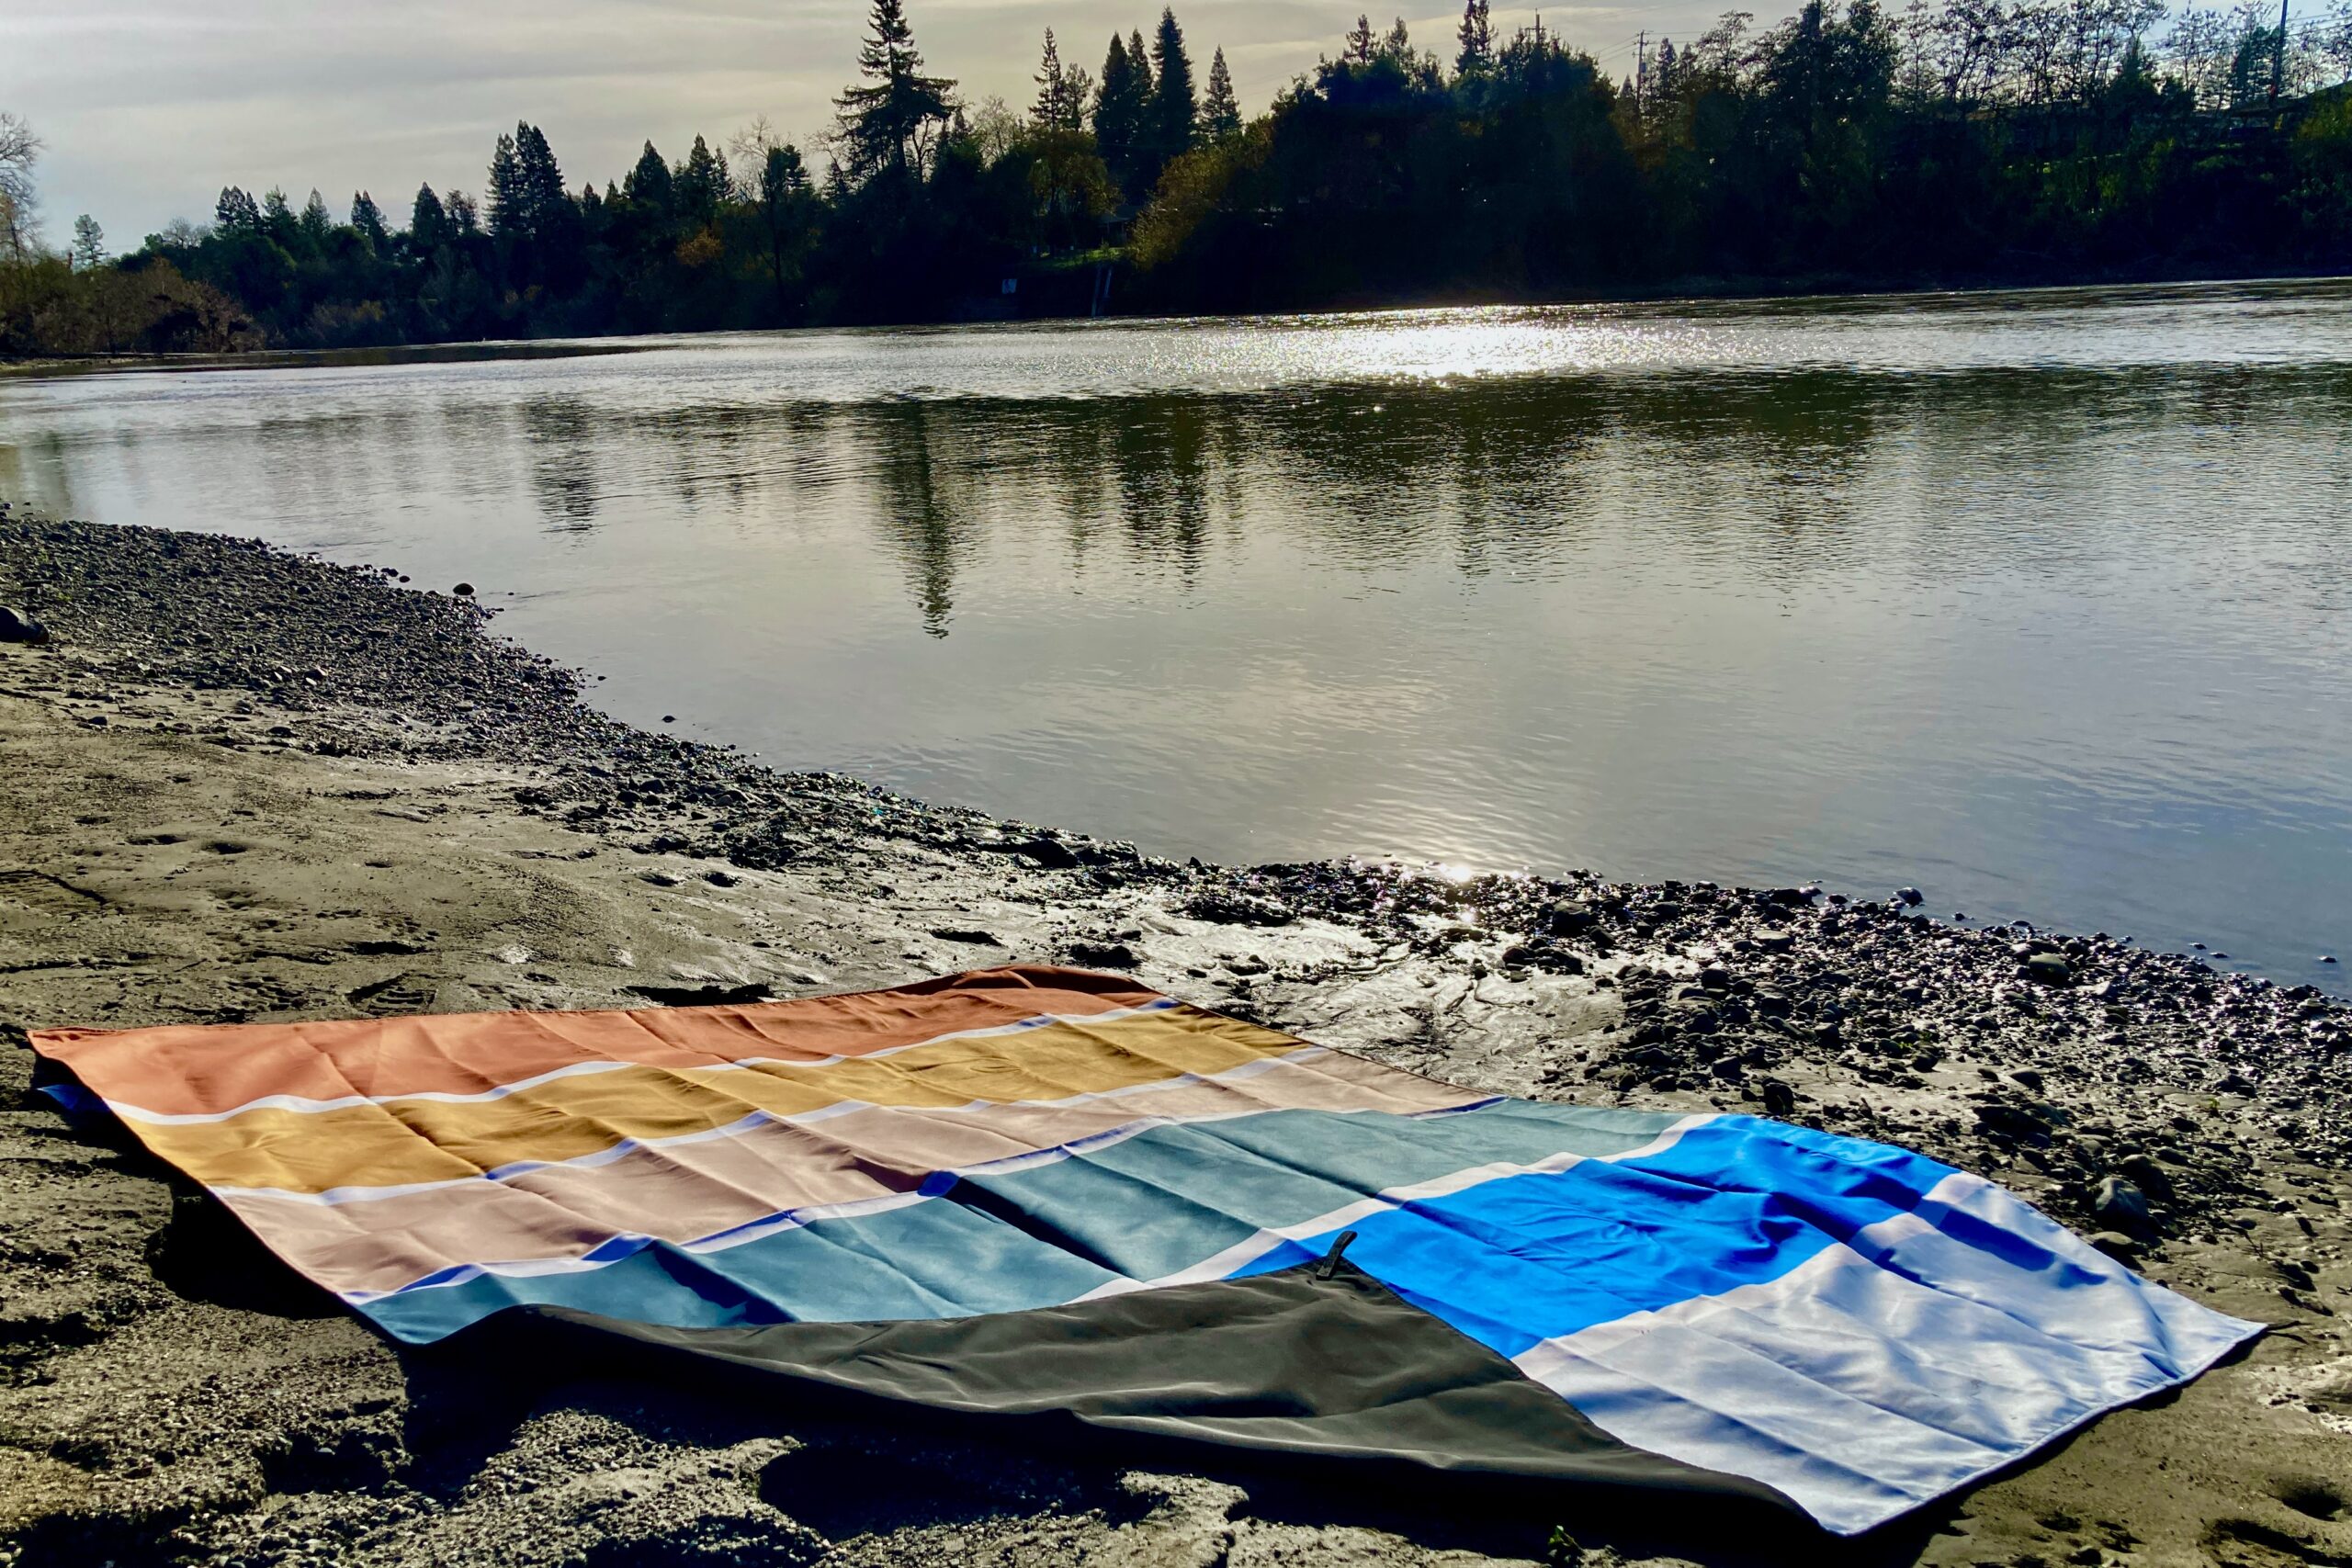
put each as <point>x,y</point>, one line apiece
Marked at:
<point>1062,91</point>
<point>1174,108</point>
<point>1053,86</point>
<point>1141,61</point>
<point>236,212</point>
<point>647,184</point>
<point>1120,103</point>
<point>1220,111</point>
<point>428,222</point>
<point>464,216</point>
<point>890,125</point>
<point>315,223</point>
<point>538,182</point>
<point>89,252</point>
<point>1477,38</point>
<point>700,184</point>
<point>1362,51</point>
<point>368,219</point>
<point>506,192</point>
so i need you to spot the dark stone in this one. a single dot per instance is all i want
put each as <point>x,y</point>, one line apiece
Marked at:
<point>1103,954</point>
<point>1051,855</point>
<point>2049,969</point>
<point>1715,977</point>
<point>969,938</point>
<point>2117,1246</point>
<point>463,590</point>
<point>2008,1120</point>
<point>2120,1205</point>
<point>2150,1177</point>
<point>18,626</point>
<point>1230,908</point>
<point>1910,896</point>
<point>1780,1100</point>
<point>1545,954</point>
<point>1569,918</point>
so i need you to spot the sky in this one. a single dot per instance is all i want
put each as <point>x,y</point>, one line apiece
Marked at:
<point>149,107</point>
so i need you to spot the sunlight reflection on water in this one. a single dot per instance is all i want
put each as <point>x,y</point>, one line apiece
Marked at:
<point>2037,601</point>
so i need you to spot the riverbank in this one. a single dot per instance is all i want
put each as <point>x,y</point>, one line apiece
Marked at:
<point>242,784</point>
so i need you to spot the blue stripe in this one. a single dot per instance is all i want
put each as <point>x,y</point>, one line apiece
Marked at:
<point>1515,1261</point>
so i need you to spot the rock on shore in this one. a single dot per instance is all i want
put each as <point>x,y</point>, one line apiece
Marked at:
<point>237,784</point>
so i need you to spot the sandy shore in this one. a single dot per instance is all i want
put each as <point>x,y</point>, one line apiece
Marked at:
<point>240,785</point>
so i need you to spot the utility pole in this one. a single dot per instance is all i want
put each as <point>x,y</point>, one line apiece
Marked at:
<point>1642,69</point>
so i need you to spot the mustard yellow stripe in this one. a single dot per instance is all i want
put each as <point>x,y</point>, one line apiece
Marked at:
<point>404,1141</point>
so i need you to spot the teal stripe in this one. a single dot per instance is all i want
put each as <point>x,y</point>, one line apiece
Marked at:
<point>1032,1235</point>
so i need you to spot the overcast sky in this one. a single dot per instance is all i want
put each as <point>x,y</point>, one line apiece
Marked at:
<point>150,107</point>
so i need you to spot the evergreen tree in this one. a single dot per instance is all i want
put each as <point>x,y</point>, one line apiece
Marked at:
<point>507,215</point>
<point>647,184</point>
<point>368,219</point>
<point>890,125</point>
<point>89,251</point>
<point>539,182</point>
<point>428,222</point>
<point>1141,63</point>
<point>1123,107</point>
<point>1064,91</point>
<point>700,184</point>
<point>1362,49</point>
<point>236,212</point>
<point>277,218</point>
<point>1476,35</point>
<point>1053,87</point>
<point>465,218</point>
<point>1173,109</point>
<point>1220,111</point>
<point>782,201</point>
<point>315,224</point>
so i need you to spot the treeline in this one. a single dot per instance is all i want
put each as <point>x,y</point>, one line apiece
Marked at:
<point>1992,139</point>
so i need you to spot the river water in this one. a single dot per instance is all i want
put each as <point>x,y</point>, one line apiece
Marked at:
<point>2038,600</point>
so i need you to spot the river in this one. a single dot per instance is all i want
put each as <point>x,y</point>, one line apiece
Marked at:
<point>2037,601</point>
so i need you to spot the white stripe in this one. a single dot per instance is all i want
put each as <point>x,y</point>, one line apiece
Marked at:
<point>338,1195</point>
<point>499,1091</point>
<point>1892,1369</point>
<point>1250,1248</point>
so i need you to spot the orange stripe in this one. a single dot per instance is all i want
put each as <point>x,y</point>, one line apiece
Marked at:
<point>185,1070</point>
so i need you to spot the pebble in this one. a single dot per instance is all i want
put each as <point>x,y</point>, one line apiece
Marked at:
<point>463,590</point>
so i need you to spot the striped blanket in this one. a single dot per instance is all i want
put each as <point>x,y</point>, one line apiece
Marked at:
<point>1033,1190</point>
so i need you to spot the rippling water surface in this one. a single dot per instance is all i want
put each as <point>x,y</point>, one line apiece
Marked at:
<point>2037,600</point>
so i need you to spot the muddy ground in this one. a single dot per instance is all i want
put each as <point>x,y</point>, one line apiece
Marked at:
<point>237,784</point>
